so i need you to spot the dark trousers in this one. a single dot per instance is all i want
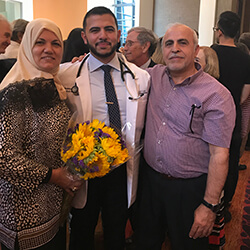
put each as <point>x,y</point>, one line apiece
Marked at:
<point>133,209</point>
<point>107,195</point>
<point>233,171</point>
<point>57,243</point>
<point>168,205</point>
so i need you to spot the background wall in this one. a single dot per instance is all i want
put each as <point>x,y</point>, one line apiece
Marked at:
<point>67,14</point>
<point>171,11</point>
<point>146,10</point>
<point>154,14</point>
<point>223,5</point>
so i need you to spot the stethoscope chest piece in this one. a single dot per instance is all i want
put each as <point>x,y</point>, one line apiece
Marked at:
<point>75,90</point>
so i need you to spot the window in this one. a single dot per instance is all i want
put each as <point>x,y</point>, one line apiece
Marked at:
<point>11,9</point>
<point>15,9</point>
<point>125,13</point>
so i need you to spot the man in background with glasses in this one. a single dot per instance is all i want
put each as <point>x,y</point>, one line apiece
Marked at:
<point>5,35</point>
<point>140,46</point>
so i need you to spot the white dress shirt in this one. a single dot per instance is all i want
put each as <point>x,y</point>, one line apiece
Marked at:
<point>11,51</point>
<point>96,75</point>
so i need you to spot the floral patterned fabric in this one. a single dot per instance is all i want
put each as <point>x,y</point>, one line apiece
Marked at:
<point>33,124</point>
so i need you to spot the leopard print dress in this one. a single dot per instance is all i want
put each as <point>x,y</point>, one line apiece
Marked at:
<point>33,123</point>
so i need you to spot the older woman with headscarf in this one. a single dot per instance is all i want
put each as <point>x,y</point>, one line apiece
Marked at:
<point>34,120</point>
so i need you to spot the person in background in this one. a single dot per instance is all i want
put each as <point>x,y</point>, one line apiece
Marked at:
<point>208,60</point>
<point>245,109</point>
<point>5,35</point>
<point>235,75</point>
<point>113,193</point>
<point>245,38</point>
<point>139,47</point>
<point>34,121</point>
<point>157,57</point>
<point>189,123</point>
<point>74,45</point>
<point>18,29</point>
<point>243,47</point>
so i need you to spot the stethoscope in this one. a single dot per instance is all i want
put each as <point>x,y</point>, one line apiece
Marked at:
<point>75,89</point>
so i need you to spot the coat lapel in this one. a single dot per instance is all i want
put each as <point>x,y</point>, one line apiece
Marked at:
<point>85,93</point>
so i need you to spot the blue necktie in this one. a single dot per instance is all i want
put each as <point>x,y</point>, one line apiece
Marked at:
<point>111,100</point>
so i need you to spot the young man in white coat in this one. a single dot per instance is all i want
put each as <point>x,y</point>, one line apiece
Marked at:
<point>116,191</point>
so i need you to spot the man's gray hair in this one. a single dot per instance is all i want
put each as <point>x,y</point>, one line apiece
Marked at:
<point>146,35</point>
<point>181,24</point>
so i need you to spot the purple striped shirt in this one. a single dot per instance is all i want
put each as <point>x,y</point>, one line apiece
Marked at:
<point>177,142</point>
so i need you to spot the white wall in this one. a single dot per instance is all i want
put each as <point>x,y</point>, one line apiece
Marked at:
<point>93,3</point>
<point>206,22</point>
<point>27,9</point>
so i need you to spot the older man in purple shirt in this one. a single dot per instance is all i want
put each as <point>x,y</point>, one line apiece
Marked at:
<point>190,119</point>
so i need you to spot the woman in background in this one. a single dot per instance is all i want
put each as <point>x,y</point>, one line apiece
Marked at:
<point>34,120</point>
<point>157,57</point>
<point>74,45</point>
<point>208,60</point>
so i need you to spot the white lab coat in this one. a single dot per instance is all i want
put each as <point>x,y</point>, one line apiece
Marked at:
<point>134,117</point>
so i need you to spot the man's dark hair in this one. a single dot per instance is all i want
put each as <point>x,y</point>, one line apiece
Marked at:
<point>229,24</point>
<point>100,10</point>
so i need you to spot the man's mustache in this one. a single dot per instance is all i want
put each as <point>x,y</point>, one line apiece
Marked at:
<point>103,41</point>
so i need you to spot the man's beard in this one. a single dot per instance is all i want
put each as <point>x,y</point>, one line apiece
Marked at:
<point>94,52</point>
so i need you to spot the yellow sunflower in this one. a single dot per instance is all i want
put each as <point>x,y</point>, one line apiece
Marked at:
<point>111,132</point>
<point>88,144</point>
<point>111,147</point>
<point>96,124</point>
<point>121,158</point>
<point>103,167</point>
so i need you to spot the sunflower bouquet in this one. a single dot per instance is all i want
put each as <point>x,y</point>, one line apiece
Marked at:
<point>92,149</point>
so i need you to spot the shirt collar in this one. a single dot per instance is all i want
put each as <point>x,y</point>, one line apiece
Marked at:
<point>95,64</point>
<point>189,79</point>
<point>145,65</point>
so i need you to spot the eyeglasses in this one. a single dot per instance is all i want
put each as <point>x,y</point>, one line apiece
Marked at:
<point>129,43</point>
<point>215,29</point>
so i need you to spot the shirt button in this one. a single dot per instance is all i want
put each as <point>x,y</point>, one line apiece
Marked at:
<point>168,105</point>
<point>174,88</point>
<point>159,142</point>
<point>164,123</point>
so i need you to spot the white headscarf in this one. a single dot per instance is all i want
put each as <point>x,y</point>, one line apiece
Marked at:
<point>25,68</point>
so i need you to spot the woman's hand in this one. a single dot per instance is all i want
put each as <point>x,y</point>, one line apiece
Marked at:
<point>65,180</point>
